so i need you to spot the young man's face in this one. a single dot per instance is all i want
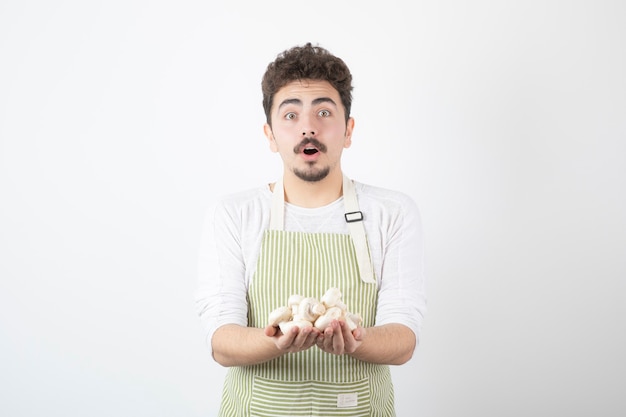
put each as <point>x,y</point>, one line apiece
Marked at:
<point>309,129</point>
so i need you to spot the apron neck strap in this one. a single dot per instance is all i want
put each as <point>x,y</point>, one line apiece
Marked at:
<point>277,213</point>
<point>353,216</point>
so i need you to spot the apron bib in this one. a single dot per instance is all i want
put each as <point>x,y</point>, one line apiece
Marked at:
<point>311,383</point>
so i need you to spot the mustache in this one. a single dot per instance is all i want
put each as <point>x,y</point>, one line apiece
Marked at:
<point>309,141</point>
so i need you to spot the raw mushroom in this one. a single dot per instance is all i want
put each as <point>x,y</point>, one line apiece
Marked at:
<point>332,298</point>
<point>310,309</point>
<point>353,320</point>
<point>304,312</point>
<point>293,303</point>
<point>286,326</point>
<point>279,315</point>
<point>324,320</point>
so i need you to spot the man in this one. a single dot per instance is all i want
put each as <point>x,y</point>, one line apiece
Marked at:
<point>312,230</point>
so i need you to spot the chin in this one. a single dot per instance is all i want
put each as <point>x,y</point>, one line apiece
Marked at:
<point>312,175</point>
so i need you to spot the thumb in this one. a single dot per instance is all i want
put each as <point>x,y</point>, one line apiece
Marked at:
<point>270,331</point>
<point>358,334</point>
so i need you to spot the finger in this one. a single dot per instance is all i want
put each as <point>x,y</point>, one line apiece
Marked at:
<point>338,343</point>
<point>349,341</point>
<point>302,337</point>
<point>327,339</point>
<point>312,338</point>
<point>286,340</point>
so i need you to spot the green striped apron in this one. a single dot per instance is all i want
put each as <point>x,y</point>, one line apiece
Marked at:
<point>311,383</point>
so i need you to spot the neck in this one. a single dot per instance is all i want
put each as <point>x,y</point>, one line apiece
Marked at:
<point>313,194</point>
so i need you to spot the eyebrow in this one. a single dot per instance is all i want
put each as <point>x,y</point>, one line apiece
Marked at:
<point>315,102</point>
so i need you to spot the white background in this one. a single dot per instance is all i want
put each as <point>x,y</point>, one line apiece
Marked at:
<point>121,120</point>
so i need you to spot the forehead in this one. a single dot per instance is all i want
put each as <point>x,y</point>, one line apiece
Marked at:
<point>306,91</point>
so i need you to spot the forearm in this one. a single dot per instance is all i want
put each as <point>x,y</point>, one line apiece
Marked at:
<point>235,345</point>
<point>390,344</point>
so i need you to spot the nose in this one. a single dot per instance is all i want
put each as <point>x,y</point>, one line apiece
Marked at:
<point>307,125</point>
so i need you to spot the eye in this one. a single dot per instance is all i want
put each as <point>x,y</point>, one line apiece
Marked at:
<point>324,113</point>
<point>290,116</point>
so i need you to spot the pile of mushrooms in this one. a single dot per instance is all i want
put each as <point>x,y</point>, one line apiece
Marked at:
<point>304,312</point>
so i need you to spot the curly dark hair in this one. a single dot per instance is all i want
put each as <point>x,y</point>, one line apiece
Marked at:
<point>306,62</point>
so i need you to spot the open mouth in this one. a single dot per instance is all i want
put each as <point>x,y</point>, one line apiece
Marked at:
<point>310,151</point>
<point>309,147</point>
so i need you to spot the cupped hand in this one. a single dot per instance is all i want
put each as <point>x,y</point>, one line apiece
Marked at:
<point>295,340</point>
<point>338,339</point>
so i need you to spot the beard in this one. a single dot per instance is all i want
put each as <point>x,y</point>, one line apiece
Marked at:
<point>312,174</point>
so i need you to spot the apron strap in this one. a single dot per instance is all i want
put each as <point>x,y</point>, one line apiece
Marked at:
<point>277,213</point>
<point>353,216</point>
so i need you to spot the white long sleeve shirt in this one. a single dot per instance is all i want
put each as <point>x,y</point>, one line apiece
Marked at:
<point>234,228</point>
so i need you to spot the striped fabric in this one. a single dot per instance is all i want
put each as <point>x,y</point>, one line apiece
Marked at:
<point>313,382</point>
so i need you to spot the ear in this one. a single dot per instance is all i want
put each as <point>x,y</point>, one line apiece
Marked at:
<point>348,136</point>
<point>267,130</point>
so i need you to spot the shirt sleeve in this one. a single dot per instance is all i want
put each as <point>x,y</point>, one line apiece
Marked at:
<point>221,292</point>
<point>402,296</point>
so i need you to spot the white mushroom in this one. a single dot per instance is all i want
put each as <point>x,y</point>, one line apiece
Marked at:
<point>279,315</point>
<point>293,303</point>
<point>286,326</point>
<point>310,309</point>
<point>332,298</point>
<point>353,320</point>
<point>324,320</point>
<point>304,312</point>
